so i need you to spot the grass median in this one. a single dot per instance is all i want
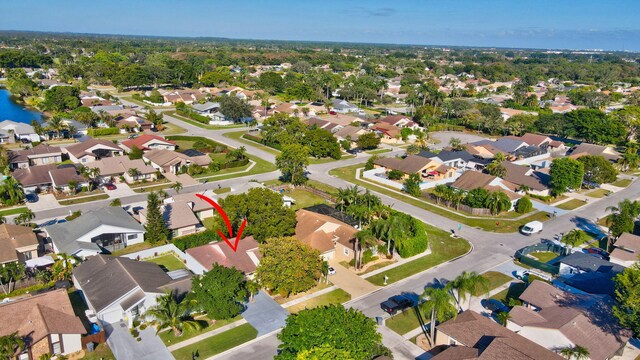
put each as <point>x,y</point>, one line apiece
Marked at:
<point>218,343</point>
<point>493,224</point>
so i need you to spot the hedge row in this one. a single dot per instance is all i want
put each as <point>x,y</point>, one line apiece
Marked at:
<point>415,245</point>
<point>446,127</point>
<point>194,240</point>
<point>193,116</point>
<point>103,131</point>
<point>234,164</point>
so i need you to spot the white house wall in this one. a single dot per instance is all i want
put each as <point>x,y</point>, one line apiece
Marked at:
<point>109,229</point>
<point>72,343</point>
<point>549,338</point>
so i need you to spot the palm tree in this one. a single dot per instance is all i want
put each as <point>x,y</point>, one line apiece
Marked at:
<point>575,352</point>
<point>171,313</point>
<point>10,345</point>
<point>24,217</point>
<point>62,268</point>
<point>177,187</point>
<point>91,174</point>
<point>503,317</point>
<point>421,139</point>
<point>264,102</point>
<point>346,197</point>
<point>56,125</point>
<point>9,273</point>
<point>630,158</point>
<point>73,186</point>
<point>439,304</point>
<point>253,287</point>
<point>497,202</point>
<point>468,283</point>
<point>572,238</point>
<point>134,173</point>
<point>11,192</point>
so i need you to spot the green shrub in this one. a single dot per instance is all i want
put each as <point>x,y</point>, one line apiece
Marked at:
<point>193,116</point>
<point>190,241</point>
<point>414,245</point>
<point>395,175</point>
<point>103,131</point>
<point>524,205</point>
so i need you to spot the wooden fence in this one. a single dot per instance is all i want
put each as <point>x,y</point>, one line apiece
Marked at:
<point>460,207</point>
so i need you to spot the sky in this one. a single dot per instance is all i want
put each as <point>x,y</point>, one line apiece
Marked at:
<point>546,24</point>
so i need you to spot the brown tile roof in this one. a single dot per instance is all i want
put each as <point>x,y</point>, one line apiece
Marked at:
<point>409,165</point>
<point>82,148</point>
<point>493,340</point>
<point>535,139</point>
<point>470,180</point>
<point>141,140</point>
<point>321,232</point>
<point>38,316</point>
<point>629,241</point>
<point>524,175</point>
<point>34,175</point>
<point>162,157</point>
<point>245,259</point>
<point>118,165</point>
<point>387,129</point>
<point>63,176</point>
<point>458,353</point>
<point>349,131</point>
<point>24,154</point>
<point>179,215</point>
<point>13,237</point>
<point>593,149</point>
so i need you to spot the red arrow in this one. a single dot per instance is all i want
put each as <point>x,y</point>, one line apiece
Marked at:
<point>234,245</point>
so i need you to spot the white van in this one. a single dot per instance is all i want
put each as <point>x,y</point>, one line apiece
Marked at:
<point>533,227</point>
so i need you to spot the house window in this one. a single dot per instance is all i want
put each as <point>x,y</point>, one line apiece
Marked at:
<point>24,355</point>
<point>132,237</point>
<point>27,255</point>
<point>56,346</point>
<point>346,251</point>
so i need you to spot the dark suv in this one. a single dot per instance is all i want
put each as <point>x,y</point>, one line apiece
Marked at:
<point>395,304</point>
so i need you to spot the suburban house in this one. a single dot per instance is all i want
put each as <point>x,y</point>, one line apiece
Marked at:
<point>207,108</point>
<point>129,123</point>
<point>78,127</point>
<point>389,134</point>
<point>20,131</point>
<point>109,228</point>
<point>168,161</point>
<point>473,180</point>
<point>42,154</point>
<point>343,106</point>
<point>535,182</point>
<point>400,121</point>
<point>180,217</point>
<point>148,142</point>
<point>186,96</point>
<point>351,133</point>
<point>332,237</point>
<point>589,273</point>
<point>45,322</point>
<point>508,113</point>
<point>17,244</point>
<point>133,286</point>
<point>597,150</point>
<point>504,144</point>
<point>462,160</point>
<point>49,177</point>
<point>414,164</point>
<point>324,124</point>
<point>246,257</point>
<point>202,209</point>
<point>111,168</point>
<point>556,319</point>
<point>473,336</point>
<point>626,250</point>
<point>6,137</point>
<point>91,150</point>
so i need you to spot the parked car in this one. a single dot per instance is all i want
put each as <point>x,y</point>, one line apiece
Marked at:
<point>331,271</point>
<point>532,227</point>
<point>25,141</point>
<point>396,303</point>
<point>332,112</point>
<point>31,197</point>
<point>109,186</point>
<point>494,305</point>
<point>62,221</point>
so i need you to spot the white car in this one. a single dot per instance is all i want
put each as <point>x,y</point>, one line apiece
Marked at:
<point>533,227</point>
<point>331,271</point>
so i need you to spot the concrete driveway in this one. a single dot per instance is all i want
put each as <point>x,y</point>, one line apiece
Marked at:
<point>122,190</point>
<point>265,314</point>
<point>349,281</point>
<point>443,138</point>
<point>45,202</point>
<point>125,347</point>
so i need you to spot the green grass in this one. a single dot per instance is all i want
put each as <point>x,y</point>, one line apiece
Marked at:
<point>496,279</point>
<point>404,322</point>
<point>603,221</point>
<point>322,187</point>
<point>337,296</point>
<point>571,204</point>
<point>443,248</point>
<point>169,261</point>
<point>223,190</point>
<point>512,292</point>
<point>100,352</point>
<point>218,343</point>
<point>599,193</point>
<point>304,198</point>
<point>314,161</point>
<point>169,339</point>
<point>377,266</point>
<point>622,183</point>
<point>500,225</point>
<point>84,199</point>
<point>378,151</point>
<point>260,167</point>
<point>544,256</point>
<point>172,129</point>
<point>132,248</point>
<point>173,114</point>
<point>237,135</point>
<point>13,211</point>
<point>216,174</point>
<point>209,223</point>
<point>584,237</point>
<point>152,188</point>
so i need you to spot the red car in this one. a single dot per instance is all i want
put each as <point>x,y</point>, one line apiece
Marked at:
<point>109,186</point>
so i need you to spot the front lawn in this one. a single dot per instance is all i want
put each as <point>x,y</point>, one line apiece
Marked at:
<point>13,211</point>
<point>169,261</point>
<point>238,135</point>
<point>304,198</point>
<point>571,204</point>
<point>100,352</point>
<point>544,256</point>
<point>377,151</point>
<point>337,296</point>
<point>500,225</point>
<point>443,248</point>
<point>132,248</point>
<point>404,322</point>
<point>218,343</point>
<point>512,292</point>
<point>622,183</point>
<point>496,279</point>
<point>599,193</point>
<point>172,129</point>
<point>152,188</point>
<point>169,339</point>
<point>223,190</point>
<point>83,199</point>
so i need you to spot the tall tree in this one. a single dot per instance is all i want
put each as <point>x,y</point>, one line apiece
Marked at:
<point>468,283</point>
<point>623,217</point>
<point>234,108</point>
<point>9,274</point>
<point>348,331</point>
<point>11,192</point>
<point>627,295</point>
<point>439,304</point>
<point>412,185</point>
<point>566,173</point>
<point>288,266</point>
<point>10,345</point>
<point>497,202</point>
<point>156,226</point>
<point>293,162</point>
<point>220,292</point>
<point>597,169</point>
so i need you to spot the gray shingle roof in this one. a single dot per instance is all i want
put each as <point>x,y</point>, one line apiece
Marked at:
<point>65,235</point>
<point>586,262</point>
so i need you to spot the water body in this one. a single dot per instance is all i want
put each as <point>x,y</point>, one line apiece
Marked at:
<point>10,110</point>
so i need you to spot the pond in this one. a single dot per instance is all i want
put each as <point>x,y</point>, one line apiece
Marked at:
<point>10,110</point>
